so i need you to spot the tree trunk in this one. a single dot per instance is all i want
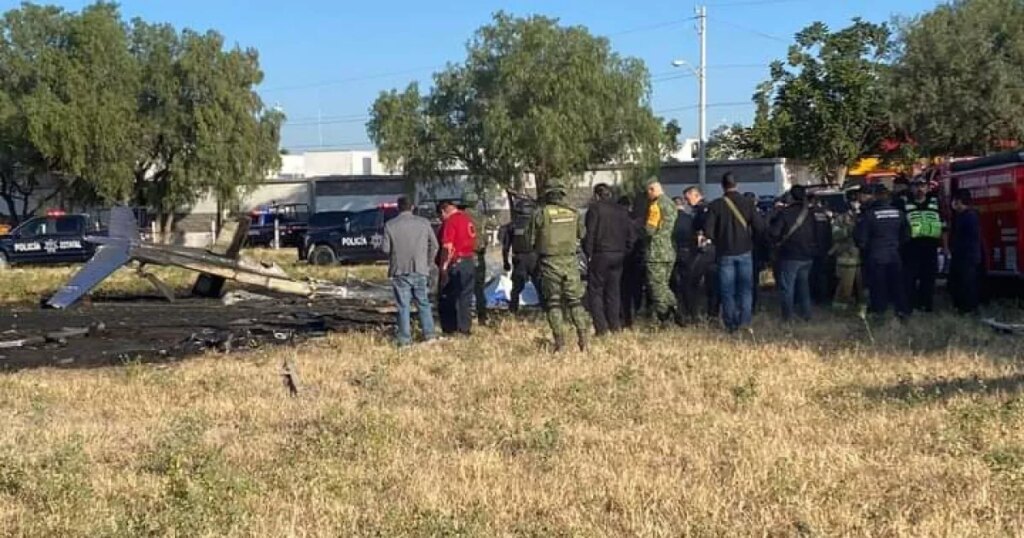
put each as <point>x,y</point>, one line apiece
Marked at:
<point>839,175</point>
<point>166,227</point>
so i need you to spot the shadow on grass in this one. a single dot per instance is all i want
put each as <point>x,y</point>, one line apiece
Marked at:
<point>942,389</point>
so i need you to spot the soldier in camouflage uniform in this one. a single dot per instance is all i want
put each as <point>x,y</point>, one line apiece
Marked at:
<point>470,199</point>
<point>555,231</point>
<point>661,251</point>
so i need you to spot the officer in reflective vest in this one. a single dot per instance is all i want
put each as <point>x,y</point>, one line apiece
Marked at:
<point>921,253</point>
<point>524,259</point>
<point>555,232</point>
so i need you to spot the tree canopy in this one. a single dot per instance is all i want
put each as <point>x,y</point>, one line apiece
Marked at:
<point>531,97</point>
<point>117,112</point>
<point>957,80</point>
<point>825,103</point>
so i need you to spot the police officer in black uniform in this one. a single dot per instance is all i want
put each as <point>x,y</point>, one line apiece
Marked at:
<point>920,254</point>
<point>523,265</point>
<point>823,269</point>
<point>881,232</point>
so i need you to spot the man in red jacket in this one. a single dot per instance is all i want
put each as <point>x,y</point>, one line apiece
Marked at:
<point>458,269</point>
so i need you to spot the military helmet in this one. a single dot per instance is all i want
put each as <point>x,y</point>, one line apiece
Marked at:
<point>555,186</point>
<point>470,198</point>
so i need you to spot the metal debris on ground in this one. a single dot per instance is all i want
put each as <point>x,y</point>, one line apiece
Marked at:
<point>1004,328</point>
<point>110,333</point>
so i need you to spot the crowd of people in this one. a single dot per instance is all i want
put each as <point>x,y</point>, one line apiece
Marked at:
<point>686,261</point>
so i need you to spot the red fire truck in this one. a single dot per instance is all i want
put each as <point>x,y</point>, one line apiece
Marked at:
<point>996,183</point>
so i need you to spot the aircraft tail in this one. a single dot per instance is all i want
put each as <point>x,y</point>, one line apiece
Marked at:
<point>123,224</point>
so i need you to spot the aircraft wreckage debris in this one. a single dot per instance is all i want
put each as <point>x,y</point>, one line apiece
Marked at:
<point>152,331</point>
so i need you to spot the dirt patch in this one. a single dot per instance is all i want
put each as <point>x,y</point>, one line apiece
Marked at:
<point>150,330</point>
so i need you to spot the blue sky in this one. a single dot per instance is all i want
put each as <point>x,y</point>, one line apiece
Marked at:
<point>330,59</point>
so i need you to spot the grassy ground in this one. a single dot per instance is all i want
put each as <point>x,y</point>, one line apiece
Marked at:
<point>800,431</point>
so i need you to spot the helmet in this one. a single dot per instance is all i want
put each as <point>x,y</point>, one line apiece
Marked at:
<point>470,198</point>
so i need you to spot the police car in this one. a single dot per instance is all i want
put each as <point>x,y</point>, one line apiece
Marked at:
<point>291,219</point>
<point>56,238</point>
<point>344,236</point>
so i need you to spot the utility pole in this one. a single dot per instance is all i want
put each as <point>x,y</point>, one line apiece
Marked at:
<point>702,75</point>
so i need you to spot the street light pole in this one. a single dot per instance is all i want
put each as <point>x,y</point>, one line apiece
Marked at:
<point>702,177</point>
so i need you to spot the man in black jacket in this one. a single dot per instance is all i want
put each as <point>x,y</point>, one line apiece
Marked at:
<point>609,237</point>
<point>793,230</point>
<point>881,230</point>
<point>732,225</point>
<point>696,258</point>
<point>823,269</point>
<point>967,265</point>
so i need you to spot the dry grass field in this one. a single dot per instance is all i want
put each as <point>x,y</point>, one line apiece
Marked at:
<point>798,431</point>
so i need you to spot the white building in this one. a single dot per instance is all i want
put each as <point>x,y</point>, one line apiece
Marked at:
<point>331,163</point>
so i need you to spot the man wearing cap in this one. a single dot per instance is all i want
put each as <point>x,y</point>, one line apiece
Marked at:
<point>457,269</point>
<point>555,232</point>
<point>661,250</point>
<point>470,201</point>
<point>881,231</point>
<point>920,254</point>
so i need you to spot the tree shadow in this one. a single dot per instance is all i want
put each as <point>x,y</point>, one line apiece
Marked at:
<point>943,388</point>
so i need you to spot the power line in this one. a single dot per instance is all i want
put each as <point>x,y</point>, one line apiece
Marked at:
<point>652,27</point>
<point>712,105</point>
<point>349,79</point>
<point>755,3</point>
<point>751,30</point>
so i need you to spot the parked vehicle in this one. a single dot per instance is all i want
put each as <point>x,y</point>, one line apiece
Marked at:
<point>56,238</point>
<point>996,183</point>
<point>292,222</point>
<point>345,237</point>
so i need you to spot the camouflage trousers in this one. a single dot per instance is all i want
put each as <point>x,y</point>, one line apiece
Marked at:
<point>478,286</point>
<point>848,286</point>
<point>563,295</point>
<point>663,301</point>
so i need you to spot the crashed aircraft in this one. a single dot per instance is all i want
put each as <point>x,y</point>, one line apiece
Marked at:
<point>215,266</point>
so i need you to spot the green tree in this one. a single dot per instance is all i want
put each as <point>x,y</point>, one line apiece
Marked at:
<point>67,108</point>
<point>825,104</point>
<point>203,128</point>
<point>733,142</point>
<point>531,97</point>
<point>957,81</point>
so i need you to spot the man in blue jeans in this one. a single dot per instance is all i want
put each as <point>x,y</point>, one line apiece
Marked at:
<point>793,230</point>
<point>412,246</point>
<point>732,224</point>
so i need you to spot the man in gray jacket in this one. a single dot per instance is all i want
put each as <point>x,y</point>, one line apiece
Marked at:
<point>412,246</point>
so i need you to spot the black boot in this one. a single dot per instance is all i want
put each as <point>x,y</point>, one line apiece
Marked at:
<point>559,343</point>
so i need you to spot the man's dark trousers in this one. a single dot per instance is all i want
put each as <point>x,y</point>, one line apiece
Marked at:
<point>920,265</point>
<point>692,270</point>
<point>455,304</point>
<point>887,287</point>
<point>525,267</point>
<point>604,281</point>
<point>965,286</point>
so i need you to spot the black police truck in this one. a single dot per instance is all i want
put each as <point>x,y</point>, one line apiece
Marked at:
<point>346,236</point>
<point>56,238</point>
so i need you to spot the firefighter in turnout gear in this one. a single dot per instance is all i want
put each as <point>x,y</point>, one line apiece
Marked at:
<point>844,248</point>
<point>555,232</point>
<point>471,200</point>
<point>661,250</point>
<point>920,254</point>
<point>523,265</point>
